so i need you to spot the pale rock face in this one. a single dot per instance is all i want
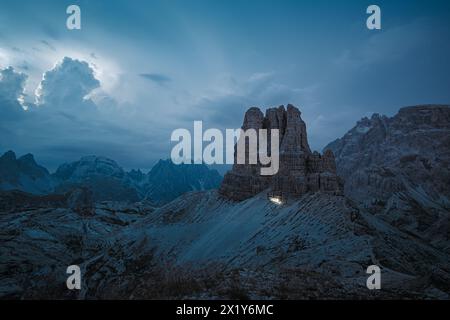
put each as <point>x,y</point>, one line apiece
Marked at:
<point>300,170</point>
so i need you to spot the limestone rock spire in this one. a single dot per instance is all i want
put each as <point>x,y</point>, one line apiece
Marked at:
<point>301,171</point>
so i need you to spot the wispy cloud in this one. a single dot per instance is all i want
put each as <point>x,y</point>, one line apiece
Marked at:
<point>157,78</point>
<point>48,45</point>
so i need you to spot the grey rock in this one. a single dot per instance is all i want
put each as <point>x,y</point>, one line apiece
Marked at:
<point>399,168</point>
<point>300,170</point>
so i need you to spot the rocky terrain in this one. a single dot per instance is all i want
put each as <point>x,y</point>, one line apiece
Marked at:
<point>316,244</point>
<point>42,234</point>
<point>399,169</point>
<point>204,246</point>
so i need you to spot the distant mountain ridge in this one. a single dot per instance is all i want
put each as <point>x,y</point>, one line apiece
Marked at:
<point>399,168</point>
<point>24,174</point>
<point>106,179</point>
<point>189,178</point>
<point>102,176</point>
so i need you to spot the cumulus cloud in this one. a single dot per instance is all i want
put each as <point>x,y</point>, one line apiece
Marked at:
<point>67,124</point>
<point>68,83</point>
<point>12,85</point>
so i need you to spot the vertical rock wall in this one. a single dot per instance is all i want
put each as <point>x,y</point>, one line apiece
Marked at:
<point>300,171</point>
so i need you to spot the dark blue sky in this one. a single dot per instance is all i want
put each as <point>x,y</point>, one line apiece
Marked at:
<point>162,64</point>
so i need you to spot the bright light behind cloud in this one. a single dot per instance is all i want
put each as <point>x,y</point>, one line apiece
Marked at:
<point>177,63</point>
<point>37,60</point>
<point>105,69</point>
<point>4,58</point>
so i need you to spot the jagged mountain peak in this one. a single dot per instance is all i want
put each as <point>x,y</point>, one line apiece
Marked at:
<point>29,160</point>
<point>26,161</point>
<point>89,166</point>
<point>300,170</point>
<point>106,178</point>
<point>166,181</point>
<point>94,160</point>
<point>23,173</point>
<point>136,175</point>
<point>8,155</point>
<point>401,168</point>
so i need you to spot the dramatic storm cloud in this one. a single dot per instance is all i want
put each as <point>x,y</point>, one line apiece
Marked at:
<point>12,85</point>
<point>68,83</point>
<point>135,72</point>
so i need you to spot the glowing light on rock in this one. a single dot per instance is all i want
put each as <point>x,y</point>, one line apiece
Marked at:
<point>276,200</point>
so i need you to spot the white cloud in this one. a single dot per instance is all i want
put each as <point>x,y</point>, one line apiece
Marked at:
<point>12,94</point>
<point>75,117</point>
<point>12,84</point>
<point>68,83</point>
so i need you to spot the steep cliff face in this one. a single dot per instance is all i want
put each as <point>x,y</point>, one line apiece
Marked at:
<point>300,170</point>
<point>399,168</point>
